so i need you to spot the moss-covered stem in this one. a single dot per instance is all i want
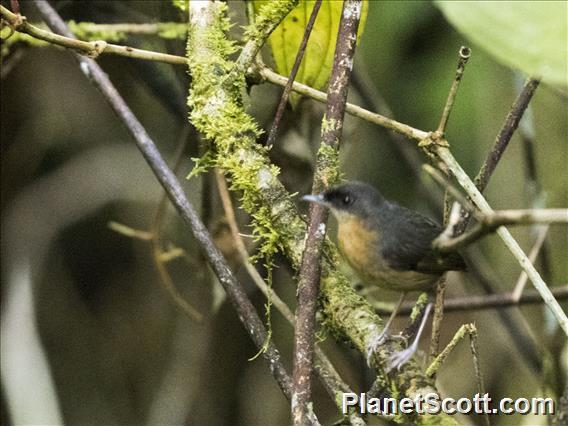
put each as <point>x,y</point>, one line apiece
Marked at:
<point>217,112</point>
<point>267,19</point>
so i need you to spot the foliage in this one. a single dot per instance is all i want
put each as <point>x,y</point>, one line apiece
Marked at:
<point>318,57</point>
<point>529,36</point>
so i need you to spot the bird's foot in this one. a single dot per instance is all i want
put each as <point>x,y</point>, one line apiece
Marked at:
<point>377,340</point>
<point>398,359</point>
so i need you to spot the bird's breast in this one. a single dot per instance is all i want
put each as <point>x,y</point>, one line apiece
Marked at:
<point>360,245</point>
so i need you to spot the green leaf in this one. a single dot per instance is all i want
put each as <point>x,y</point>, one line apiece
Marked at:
<point>318,57</point>
<point>529,36</point>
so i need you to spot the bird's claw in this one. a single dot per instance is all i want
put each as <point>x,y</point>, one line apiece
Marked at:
<point>398,359</point>
<point>377,341</point>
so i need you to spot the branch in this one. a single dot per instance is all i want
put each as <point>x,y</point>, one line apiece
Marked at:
<point>256,72</point>
<point>90,48</point>
<point>293,72</point>
<point>464,55</point>
<point>444,154</point>
<point>326,174</point>
<point>218,114</point>
<point>266,74</point>
<point>329,377</point>
<point>506,133</point>
<point>267,19</point>
<point>156,240</point>
<point>244,308</point>
<point>537,246</point>
<point>502,141</point>
<point>438,316</point>
<point>490,222</point>
<point>489,301</point>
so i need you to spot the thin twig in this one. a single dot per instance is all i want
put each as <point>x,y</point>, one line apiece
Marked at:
<point>260,72</point>
<point>506,133</point>
<point>489,301</point>
<point>90,48</point>
<point>490,222</point>
<point>502,140</point>
<point>477,367</point>
<point>446,185</point>
<point>527,133</point>
<point>538,245</point>
<point>464,54</point>
<point>437,318</point>
<point>267,74</point>
<point>329,377</point>
<point>156,241</point>
<point>309,275</point>
<point>243,306</point>
<point>458,337</point>
<point>443,153</point>
<point>292,77</point>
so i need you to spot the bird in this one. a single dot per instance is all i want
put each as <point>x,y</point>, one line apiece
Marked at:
<point>389,246</point>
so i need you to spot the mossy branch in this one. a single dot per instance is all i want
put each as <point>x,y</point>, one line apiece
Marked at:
<point>217,112</point>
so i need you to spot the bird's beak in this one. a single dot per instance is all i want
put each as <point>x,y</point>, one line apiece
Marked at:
<point>318,199</point>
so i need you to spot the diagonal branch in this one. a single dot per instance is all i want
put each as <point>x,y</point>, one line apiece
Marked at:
<point>309,275</point>
<point>243,306</point>
<point>286,92</point>
<point>502,141</point>
<point>329,377</point>
<point>444,154</point>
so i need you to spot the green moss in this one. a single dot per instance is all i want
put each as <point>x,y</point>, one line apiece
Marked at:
<point>172,30</point>
<point>85,31</point>
<point>269,12</point>
<point>419,306</point>
<point>329,171</point>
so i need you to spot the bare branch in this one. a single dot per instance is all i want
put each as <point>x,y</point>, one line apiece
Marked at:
<point>464,54</point>
<point>490,222</point>
<point>244,308</point>
<point>489,301</point>
<point>90,48</point>
<point>538,245</point>
<point>295,68</point>
<point>506,133</point>
<point>309,275</point>
<point>502,141</point>
<point>260,72</point>
<point>156,241</point>
<point>444,154</point>
<point>267,74</point>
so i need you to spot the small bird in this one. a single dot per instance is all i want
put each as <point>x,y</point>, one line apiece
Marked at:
<point>388,246</point>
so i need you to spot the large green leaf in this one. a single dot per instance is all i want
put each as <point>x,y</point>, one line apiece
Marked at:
<point>530,36</point>
<point>318,57</point>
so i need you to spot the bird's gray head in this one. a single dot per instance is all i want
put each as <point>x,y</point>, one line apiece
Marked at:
<point>354,198</point>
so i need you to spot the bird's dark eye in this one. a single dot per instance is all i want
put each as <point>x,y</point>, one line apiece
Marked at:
<point>347,200</point>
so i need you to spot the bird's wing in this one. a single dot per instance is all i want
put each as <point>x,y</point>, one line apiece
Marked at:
<point>407,243</point>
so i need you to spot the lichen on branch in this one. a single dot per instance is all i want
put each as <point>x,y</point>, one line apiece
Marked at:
<point>216,104</point>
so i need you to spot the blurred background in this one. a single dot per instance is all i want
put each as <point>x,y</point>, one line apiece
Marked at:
<point>90,331</point>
